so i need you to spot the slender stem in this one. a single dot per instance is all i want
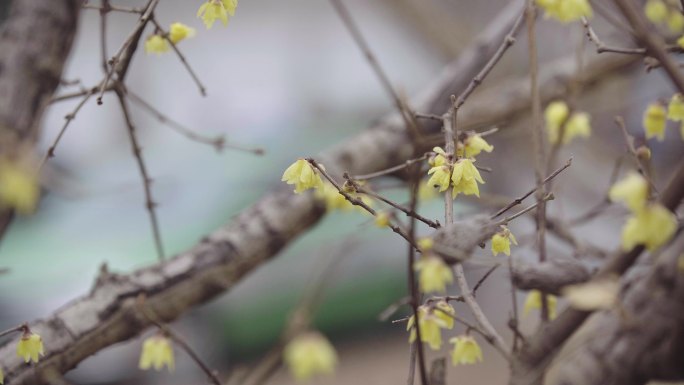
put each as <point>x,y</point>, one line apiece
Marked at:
<point>519,200</point>
<point>182,58</point>
<point>394,169</point>
<point>147,181</point>
<point>538,139</point>
<point>180,341</point>
<point>20,328</point>
<point>408,212</point>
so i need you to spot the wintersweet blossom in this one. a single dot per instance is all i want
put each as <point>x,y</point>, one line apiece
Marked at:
<point>156,44</point>
<point>2,376</point>
<point>430,328</point>
<point>501,241</point>
<point>213,10</point>
<point>310,354</point>
<point>433,274</point>
<point>654,121</point>
<point>19,187</point>
<point>566,11</point>
<point>303,175</point>
<point>439,158</point>
<point>382,219</point>
<point>466,350</point>
<point>555,115</point>
<point>30,347</point>
<point>632,190</point>
<point>157,352</point>
<point>440,177</point>
<point>656,11</point>
<point>446,313</point>
<point>652,226</point>
<point>474,145</point>
<point>593,295</point>
<point>675,109</point>
<point>465,178</point>
<point>179,32</point>
<point>534,302</point>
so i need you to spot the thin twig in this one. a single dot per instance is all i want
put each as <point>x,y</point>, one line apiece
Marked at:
<point>20,328</point>
<point>601,47</point>
<point>547,197</point>
<point>393,169</point>
<point>409,213</point>
<point>182,58</point>
<point>491,338</point>
<point>358,202</point>
<point>147,181</point>
<point>519,200</point>
<point>629,141</point>
<point>508,41</point>
<point>180,341</point>
<point>68,119</point>
<point>136,33</point>
<point>537,139</point>
<point>113,8</point>
<point>406,114</point>
<point>219,142</point>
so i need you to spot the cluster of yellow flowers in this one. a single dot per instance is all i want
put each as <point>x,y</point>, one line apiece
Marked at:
<point>19,188</point>
<point>209,12</point>
<point>651,224</point>
<point>309,354</point>
<point>431,320</point>
<point>559,120</point>
<point>566,11</point>
<point>157,352</point>
<point>461,175</point>
<point>665,12</point>
<point>158,43</point>
<point>655,117</point>
<point>303,176</point>
<point>501,241</point>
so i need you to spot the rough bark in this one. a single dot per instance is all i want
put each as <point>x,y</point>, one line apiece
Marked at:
<point>35,41</point>
<point>639,341</point>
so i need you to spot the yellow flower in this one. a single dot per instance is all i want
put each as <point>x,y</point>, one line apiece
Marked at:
<point>675,110</point>
<point>310,354</point>
<point>555,115</point>
<point>566,10</point>
<point>440,177</point>
<point>382,219</point>
<point>594,295</point>
<point>332,197</point>
<point>445,312</point>
<point>466,350</point>
<point>30,347</point>
<point>534,301</point>
<point>2,376</point>
<point>434,275</point>
<point>632,190</point>
<point>302,175</point>
<point>156,44</point>
<point>430,328</point>
<point>474,145</point>
<point>656,11</point>
<point>680,42</point>
<point>156,352</point>
<point>465,178</point>
<point>501,241</point>
<point>654,121</point>
<point>652,227</point>
<point>180,31</point>
<point>675,22</point>
<point>425,244</point>
<point>18,187</point>
<point>216,9</point>
<point>577,125</point>
<point>439,158</point>
<point>426,192</point>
